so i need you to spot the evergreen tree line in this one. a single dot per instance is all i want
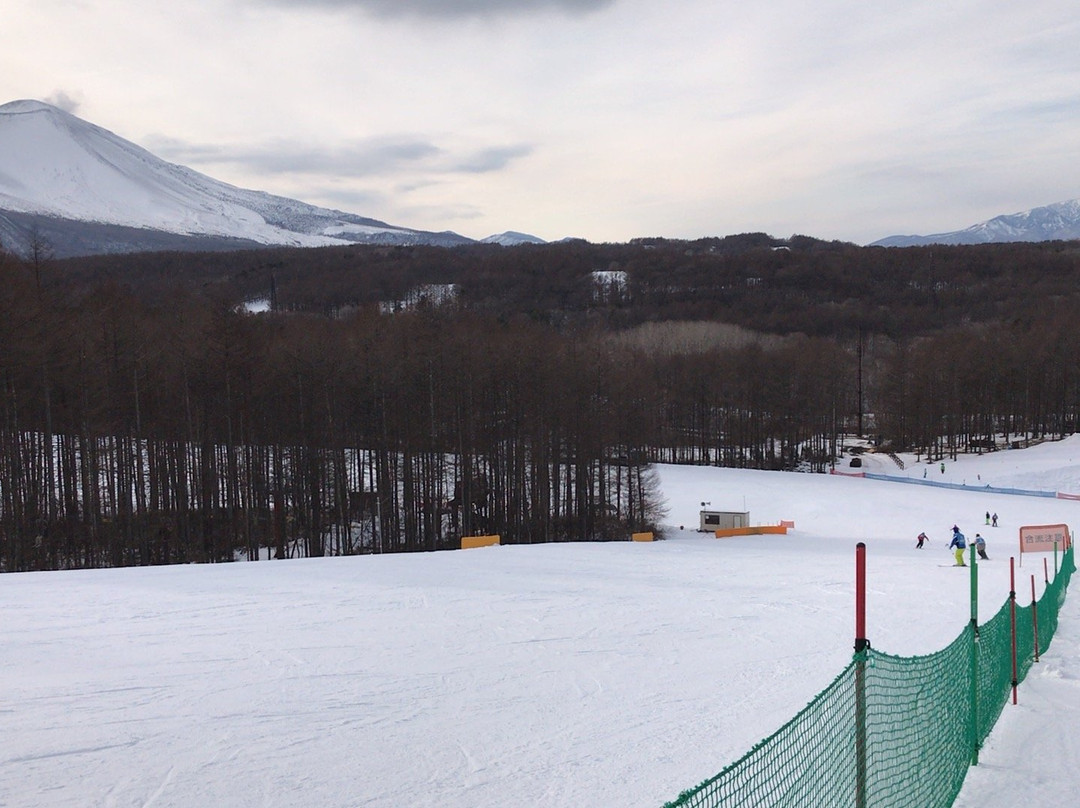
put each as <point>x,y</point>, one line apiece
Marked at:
<point>139,431</point>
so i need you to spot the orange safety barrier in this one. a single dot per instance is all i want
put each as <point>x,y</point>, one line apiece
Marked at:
<point>725,533</point>
<point>642,536</point>
<point>468,542</point>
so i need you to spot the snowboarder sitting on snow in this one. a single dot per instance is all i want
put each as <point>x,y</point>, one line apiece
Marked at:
<point>958,545</point>
<point>980,547</point>
<point>921,537</point>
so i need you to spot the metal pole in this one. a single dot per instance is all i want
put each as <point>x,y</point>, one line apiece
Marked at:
<point>861,646</point>
<point>1035,617</point>
<point>974,657</point>
<point>974,586</point>
<point>1012,619</point>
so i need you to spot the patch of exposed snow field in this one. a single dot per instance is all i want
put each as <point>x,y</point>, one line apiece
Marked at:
<point>601,674</point>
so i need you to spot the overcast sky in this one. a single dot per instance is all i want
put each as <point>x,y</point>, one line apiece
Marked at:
<point>603,119</point>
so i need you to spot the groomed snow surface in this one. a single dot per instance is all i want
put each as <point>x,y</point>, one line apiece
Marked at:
<point>598,675</point>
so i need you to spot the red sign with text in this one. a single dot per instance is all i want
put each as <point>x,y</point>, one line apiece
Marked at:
<point>1043,538</point>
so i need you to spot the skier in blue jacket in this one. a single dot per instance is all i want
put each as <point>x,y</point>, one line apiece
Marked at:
<point>958,545</point>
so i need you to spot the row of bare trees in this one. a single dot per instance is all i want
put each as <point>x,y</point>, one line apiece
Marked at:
<point>978,387</point>
<point>824,289</point>
<point>136,431</point>
<point>132,434</point>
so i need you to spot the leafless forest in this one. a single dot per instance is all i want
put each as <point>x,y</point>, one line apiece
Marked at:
<point>179,407</point>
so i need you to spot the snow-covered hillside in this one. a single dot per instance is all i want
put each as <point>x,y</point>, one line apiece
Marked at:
<point>55,167</point>
<point>1049,223</point>
<point>600,674</point>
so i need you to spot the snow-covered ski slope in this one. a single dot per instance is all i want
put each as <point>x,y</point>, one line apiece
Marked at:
<point>610,674</point>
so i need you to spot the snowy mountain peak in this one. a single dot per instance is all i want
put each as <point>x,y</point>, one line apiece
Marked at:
<point>26,105</point>
<point>1059,221</point>
<point>511,238</point>
<point>78,178</point>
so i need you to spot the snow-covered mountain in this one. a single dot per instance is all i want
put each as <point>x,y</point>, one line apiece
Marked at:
<point>1060,221</point>
<point>86,190</point>
<point>512,238</point>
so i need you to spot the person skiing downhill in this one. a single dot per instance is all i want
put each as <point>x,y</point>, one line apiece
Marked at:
<point>958,545</point>
<point>980,547</point>
<point>921,537</point>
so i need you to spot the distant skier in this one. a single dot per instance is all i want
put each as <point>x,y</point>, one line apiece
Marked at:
<point>980,547</point>
<point>958,545</point>
<point>987,519</point>
<point>993,520</point>
<point>921,537</point>
<point>942,468</point>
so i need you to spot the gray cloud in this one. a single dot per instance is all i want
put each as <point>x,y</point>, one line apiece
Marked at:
<point>374,157</point>
<point>491,159</point>
<point>453,8</point>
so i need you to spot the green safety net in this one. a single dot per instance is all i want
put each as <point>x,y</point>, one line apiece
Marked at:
<point>893,731</point>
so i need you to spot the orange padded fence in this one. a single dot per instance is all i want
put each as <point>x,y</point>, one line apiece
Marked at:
<point>478,541</point>
<point>724,533</point>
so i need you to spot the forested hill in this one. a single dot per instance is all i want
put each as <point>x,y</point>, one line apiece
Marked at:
<point>396,399</point>
<point>752,280</point>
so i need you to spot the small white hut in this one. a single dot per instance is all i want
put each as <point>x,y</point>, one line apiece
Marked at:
<point>723,520</point>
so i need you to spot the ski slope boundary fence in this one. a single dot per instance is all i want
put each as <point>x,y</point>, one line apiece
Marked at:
<point>985,489</point>
<point>889,731</point>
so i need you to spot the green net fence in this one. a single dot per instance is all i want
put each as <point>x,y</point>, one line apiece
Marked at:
<point>889,730</point>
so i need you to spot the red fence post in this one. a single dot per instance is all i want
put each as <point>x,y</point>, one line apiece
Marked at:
<point>861,645</point>
<point>861,642</point>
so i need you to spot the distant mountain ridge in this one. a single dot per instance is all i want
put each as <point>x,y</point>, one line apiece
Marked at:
<point>84,190</point>
<point>512,238</point>
<point>1060,221</point>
